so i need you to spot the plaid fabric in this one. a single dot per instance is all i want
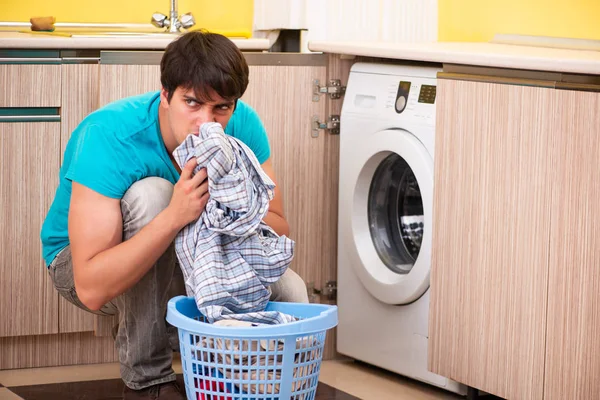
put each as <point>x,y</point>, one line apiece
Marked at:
<point>229,257</point>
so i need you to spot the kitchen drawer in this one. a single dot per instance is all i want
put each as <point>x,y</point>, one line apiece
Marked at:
<point>30,85</point>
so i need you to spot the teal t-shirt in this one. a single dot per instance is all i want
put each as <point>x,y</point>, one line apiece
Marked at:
<point>120,144</point>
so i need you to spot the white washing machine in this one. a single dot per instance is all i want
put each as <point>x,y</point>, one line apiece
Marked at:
<point>385,210</point>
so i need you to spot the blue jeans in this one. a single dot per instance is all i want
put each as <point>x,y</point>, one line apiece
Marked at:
<point>144,339</point>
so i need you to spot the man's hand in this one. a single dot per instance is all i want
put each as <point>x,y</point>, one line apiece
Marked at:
<point>190,195</point>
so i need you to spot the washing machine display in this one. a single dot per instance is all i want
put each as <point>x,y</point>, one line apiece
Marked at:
<point>427,94</point>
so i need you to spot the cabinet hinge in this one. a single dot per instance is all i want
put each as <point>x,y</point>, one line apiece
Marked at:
<point>329,291</point>
<point>332,125</point>
<point>335,90</point>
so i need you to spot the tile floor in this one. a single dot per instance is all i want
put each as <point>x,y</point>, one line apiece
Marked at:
<point>339,380</point>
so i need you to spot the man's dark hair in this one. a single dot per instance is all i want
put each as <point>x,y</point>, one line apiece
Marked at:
<point>202,60</point>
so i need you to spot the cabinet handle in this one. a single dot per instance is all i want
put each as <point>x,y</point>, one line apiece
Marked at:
<point>29,114</point>
<point>497,79</point>
<point>561,83</point>
<point>582,87</point>
<point>30,60</point>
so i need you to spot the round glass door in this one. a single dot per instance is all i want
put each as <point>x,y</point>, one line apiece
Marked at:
<point>395,214</point>
<point>390,217</point>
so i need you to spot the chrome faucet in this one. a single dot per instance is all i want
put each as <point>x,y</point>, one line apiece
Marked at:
<point>173,22</point>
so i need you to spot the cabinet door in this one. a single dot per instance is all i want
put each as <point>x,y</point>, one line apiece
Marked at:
<point>492,195</point>
<point>30,85</point>
<point>119,81</point>
<point>282,97</point>
<point>306,166</point>
<point>29,163</point>
<point>573,337</point>
<point>79,98</point>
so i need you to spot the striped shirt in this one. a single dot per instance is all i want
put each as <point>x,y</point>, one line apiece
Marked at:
<point>229,257</point>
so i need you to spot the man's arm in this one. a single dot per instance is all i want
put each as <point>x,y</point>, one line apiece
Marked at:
<point>275,218</point>
<point>103,265</point>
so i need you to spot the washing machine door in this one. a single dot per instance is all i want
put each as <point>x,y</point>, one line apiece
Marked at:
<point>391,216</point>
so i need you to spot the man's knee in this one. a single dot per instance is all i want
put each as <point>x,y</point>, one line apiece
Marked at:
<point>143,201</point>
<point>290,288</point>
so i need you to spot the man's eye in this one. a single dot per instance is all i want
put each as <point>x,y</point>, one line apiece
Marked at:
<point>224,107</point>
<point>191,102</point>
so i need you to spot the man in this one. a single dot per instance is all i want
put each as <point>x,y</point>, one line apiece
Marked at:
<point>122,199</point>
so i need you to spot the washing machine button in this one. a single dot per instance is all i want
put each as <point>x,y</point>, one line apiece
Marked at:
<point>400,104</point>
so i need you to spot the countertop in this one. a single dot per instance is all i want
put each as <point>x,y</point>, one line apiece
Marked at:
<point>480,54</point>
<point>17,40</point>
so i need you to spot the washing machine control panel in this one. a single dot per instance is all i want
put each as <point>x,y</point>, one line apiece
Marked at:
<point>410,98</point>
<point>424,94</point>
<point>401,97</point>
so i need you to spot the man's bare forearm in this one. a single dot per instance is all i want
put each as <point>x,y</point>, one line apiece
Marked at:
<point>115,270</point>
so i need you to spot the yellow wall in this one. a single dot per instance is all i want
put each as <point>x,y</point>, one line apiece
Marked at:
<point>459,20</point>
<point>479,20</point>
<point>215,15</point>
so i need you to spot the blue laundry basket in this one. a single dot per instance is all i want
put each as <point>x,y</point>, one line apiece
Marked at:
<point>274,362</point>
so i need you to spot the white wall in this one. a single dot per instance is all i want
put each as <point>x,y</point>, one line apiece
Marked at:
<point>279,14</point>
<point>351,20</point>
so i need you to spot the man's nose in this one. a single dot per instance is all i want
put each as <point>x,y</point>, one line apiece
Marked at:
<point>205,114</point>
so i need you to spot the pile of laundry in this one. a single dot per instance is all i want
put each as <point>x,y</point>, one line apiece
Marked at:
<point>229,257</point>
<point>257,364</point>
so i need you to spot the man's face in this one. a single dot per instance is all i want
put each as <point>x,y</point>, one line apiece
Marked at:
<point>186,112</point>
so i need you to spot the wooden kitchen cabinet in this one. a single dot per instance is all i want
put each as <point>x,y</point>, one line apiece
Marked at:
<point>573,322</point>
<point>29,163</point>
<point>30,85</point>
<point>306,163</point>
<point>282,96</point>
<point>38,327</point>
<point>514,267</point>
<point>28,177</point>
<point>491,228</point>
<point>119,81</point>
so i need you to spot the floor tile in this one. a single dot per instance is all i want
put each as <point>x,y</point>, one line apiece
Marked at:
<point>111,389</point>
<point>72,373</point>
<point>340,380</point>
<point>326,392</point>
<point>75,373</point>
<point>107,389</point>
<point>367,382</point>
<point>6,394</point>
